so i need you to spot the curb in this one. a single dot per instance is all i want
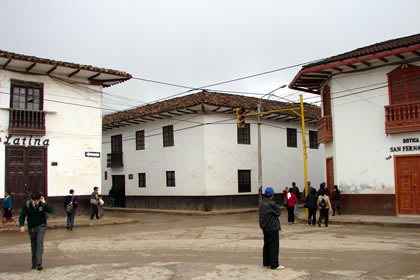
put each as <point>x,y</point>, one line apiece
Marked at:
<point>84,224</point>
<point>181,212</point>
<point>368,223</point>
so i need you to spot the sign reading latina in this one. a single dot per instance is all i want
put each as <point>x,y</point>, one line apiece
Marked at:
<point>407,148</point>
<point>24,141</point>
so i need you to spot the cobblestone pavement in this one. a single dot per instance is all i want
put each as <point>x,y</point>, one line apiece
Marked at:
<point>164,246</point>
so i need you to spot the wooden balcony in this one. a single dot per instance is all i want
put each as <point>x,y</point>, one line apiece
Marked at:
<point>402,118</point>
<point>115,160</point>
<point>325,134</point>
<point>26,122</point>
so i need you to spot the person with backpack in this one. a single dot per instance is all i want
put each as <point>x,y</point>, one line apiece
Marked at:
<point>290,201</point>
<point>70,205</point>
<point>35,211</point>
<point>324,206</point>
<point>270,225</point>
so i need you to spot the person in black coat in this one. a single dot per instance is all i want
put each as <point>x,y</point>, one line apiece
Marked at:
<point>310,203</point>
<point>270,225</point>
<point>336,199</point>
<point>70,205</point>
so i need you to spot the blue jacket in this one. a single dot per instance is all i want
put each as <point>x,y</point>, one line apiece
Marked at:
<point>7,202</point>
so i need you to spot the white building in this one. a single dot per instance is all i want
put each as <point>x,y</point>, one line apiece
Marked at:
<point>50,127</point>
<point>188,153</point>
<point>371,124</point>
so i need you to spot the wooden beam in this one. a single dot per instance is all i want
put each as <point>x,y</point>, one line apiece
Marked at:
<point>138,120</point>
<point>314,76</point>
<point>30,67</point>
<point>217,109</point>
<point>227,110</point>
<point>52,69</point>
<point>7,63</point>
<point>354,67</point>
<point>191,110</point>
<point>94,76</point>
<point>416,53</point>
<point>338,69</point>
<point>324,72</point>
<point>184,112</point>
<point>383,59</point>
<point>173,113</point>
<point>74,73</point>
<point>366,63</point>
<point>165,116</point>
<point>146,119</point>
<point>156,117</point>
<point>400,56</point>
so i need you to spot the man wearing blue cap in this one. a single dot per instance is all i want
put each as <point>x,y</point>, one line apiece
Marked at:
<point>270,224</point>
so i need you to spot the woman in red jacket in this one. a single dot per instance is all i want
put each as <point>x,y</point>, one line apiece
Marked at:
<point>289,201</point>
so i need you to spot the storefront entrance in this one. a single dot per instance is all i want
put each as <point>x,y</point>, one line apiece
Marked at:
<point>408,184</point>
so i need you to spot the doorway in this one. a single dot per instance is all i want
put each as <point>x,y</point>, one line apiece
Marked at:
<point>26,172</point>
<point>118,183</point>
<point>408,184</point>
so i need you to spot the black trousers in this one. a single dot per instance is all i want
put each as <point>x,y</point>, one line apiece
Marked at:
<point>312,216</point>
<point>291,214</point>
<point>323,213</point>
<point>271,249</point>
<point>94,211</point>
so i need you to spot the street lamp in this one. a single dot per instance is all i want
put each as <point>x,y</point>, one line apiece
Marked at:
<point>260,183</point>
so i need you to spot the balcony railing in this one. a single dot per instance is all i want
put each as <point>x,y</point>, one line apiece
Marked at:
<point>26,122</point>
<point>115,160</point>
<point>325,134</point>
<point>402,118</point>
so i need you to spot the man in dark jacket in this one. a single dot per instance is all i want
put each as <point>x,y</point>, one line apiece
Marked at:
<point>35,210</point>
<point>270,224</point>
<point>70,205</point>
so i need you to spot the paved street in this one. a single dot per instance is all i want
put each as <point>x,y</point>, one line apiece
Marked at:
<point>165,246</point>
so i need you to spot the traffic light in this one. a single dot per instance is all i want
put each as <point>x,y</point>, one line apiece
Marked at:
<point>240,117</point>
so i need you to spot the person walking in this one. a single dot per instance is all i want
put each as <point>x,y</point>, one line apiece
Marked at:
<point>296,192</point>
<point>311,204</point>
<point>70,205</point>
<point>111,196</point>
<point>94,200</point>
<point>324,206</point>
<point>269,223</point>
<point>7,205</point>
<point>35,211</point>
<point>336,200</point>
<point>290,201</point>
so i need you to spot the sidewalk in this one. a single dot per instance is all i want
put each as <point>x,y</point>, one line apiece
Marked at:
<point>182,212</point>
<point>395,221</point>
<point>79,221</point>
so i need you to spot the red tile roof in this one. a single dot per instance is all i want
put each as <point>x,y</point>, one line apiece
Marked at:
<point>209,98</point>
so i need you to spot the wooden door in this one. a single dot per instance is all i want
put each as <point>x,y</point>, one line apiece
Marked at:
<point>118,183</point>
<point>408,185</point>
<point>330,174</point>
<point>25,172</point>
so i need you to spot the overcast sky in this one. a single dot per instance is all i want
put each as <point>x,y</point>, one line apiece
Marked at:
<point>197,43</point>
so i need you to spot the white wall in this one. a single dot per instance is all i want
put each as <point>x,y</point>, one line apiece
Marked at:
<point>360,147</point>
<point>71,130</point>
<point>206,159</point>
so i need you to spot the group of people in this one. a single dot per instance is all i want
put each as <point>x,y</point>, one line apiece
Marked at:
<point>35,211</point>
<point>269,212</point>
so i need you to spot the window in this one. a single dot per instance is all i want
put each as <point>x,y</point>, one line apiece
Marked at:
<point>140,140</point>
<point>168,136</point>
<point>313,139</point>
<point>292,137</point>
<point>170,178</point>
<point>26,95</point>
<point>404,85</point>
<point>244,135</point>
<point>115,158</point>
<point>244,181</point>
<point>142,180</point>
